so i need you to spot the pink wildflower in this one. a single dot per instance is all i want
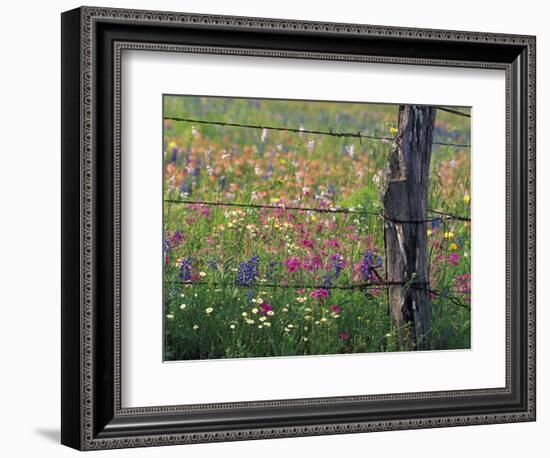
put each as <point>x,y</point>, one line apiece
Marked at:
<point>333,243</point>
<point>454,259</point>
<point>308,243</point>
<point>320,293</point>
<point>292,264</point>
<point>265,307</point>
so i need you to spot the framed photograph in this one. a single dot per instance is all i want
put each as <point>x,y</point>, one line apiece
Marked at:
<point>277,228</point>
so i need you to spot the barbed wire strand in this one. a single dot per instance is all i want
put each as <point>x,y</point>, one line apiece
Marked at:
<point>305,286</point>
<point>455,112</point>
<point>442,216</point>
<point>361,286</point>
<point>359,135</point>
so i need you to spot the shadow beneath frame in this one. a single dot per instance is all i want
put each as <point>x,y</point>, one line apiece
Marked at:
<point>53,435</point>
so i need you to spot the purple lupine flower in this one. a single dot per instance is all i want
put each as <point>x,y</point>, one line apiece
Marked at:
<point>249,296</point>
<point>177,237</point>
<point>366,265</point>
<point>186,188</point>
<point>213,264</point>
<point>337,263</point>
<point>327,280</point>
<point>174,157</point>
<point>185,269</point>
<point>436,223</point>
<point>248,271</point>
<point>336,266</point>
<point>271,269</point>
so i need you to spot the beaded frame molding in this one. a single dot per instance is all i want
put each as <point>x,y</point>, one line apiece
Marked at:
<point>92,42</point>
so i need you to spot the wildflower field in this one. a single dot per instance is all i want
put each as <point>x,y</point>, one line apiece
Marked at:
<point>273,239</point>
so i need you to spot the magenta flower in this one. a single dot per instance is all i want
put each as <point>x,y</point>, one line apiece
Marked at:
<point>292,264</point>
<point>333,243</point>
<point>265,307</point>
<point>308,243</point>
<point>463,283</point>
<point>454,259</point>
<point>320,293</point>
<point>343,336</point>
<point>336,308</point>
<point>312,263</point>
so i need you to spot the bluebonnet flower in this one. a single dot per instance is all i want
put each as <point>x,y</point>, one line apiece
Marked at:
<point>186,188</point>
<point>213,264</point>
<point>248,271</point>
<point>337,263</point>
<point>327,280</point>
<point>271,269</point>
<point>367,265</point>
<point>174,154</point>
<point>436,223</point>
<point>336,267</point>
<point>249,296</point>
<point>185,269</point>
<point>222,182</point>
<point>177,237</point>
<point>269,171</point>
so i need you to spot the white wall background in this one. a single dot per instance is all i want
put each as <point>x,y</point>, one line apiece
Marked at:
<point>30,229</point>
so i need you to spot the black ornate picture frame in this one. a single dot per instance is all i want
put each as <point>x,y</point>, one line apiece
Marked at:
<point>92,42</point>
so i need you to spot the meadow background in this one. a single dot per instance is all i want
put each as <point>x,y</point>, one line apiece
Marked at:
<point>270,237</point>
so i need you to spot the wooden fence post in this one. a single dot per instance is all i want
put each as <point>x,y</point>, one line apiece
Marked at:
<point>405,200</point>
